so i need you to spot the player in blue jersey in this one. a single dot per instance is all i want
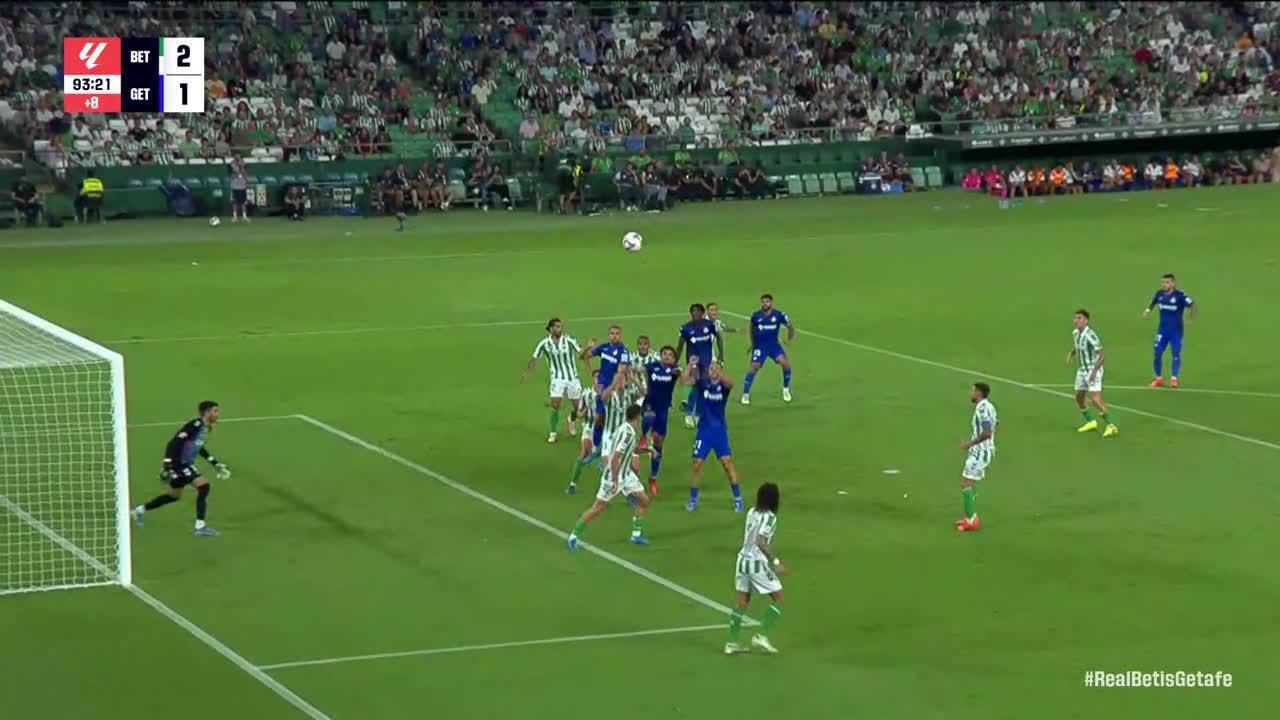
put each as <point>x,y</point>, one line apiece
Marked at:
<point>698,334</point>
<point>766,324</point>
<point>661,377</point>
<point>1172,303</point>
<point>713,431</point>
<point>613,355</point>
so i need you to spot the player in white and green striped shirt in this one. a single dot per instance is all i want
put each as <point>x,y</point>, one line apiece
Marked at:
<point>757,571</point>
<point>561,352</point>
<point>590,453</point>
<point>1087,351</point>
<point>620,478</point>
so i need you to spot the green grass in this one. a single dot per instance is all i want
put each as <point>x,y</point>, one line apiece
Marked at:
<point>1151,551</point>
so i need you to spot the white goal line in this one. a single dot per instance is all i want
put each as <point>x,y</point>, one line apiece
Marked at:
<point>490,646</point>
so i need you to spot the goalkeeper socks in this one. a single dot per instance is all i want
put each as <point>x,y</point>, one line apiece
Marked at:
<point>747,382</point>
<point>159,501</point>
<point>735,625</point>
<point>1177,363</point>
<point>770,618</point>
<point>555,419</point>
<point>202,502</point>
<point>637,526</point>
<point>786,377</point>
<point>970,497</point>
<point>1088,416</point>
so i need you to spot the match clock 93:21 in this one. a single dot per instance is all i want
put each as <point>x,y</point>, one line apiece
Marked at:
<point>95,84</point>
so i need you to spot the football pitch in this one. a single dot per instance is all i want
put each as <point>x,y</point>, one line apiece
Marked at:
<point>393,538</point>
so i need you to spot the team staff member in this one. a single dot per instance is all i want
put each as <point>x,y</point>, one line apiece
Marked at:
<point>27,201</point>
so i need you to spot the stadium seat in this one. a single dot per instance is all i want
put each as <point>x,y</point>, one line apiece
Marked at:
<point>918,176</point>
<point>288,179</point>
<point>829,184</point>
<point>269,180</point>
<point>333,178</point>
<point>934,174</point>
<point>846,181</point>
<point>193,182</point>
<point>135,182</point>
<point>811,184</point>
<point>154,182</point>
<point>351,179</point>
<point>794,186</point>
<point>516,190</point>
<point>306,179</point>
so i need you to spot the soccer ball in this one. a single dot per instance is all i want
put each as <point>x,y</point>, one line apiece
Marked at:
<point>214,221</point>
<point>631,242</point>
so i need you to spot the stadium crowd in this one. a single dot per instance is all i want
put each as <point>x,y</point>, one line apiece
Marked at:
<point>316,80</point>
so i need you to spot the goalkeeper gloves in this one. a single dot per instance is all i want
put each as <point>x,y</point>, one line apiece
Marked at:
<point>224,472</point>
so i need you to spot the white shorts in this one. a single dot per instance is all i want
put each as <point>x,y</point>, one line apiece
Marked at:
<point>975,466</point>
<point>630,485</point>
<point>755,576</point>
<point>570,388</point>
<point>1083,384</point>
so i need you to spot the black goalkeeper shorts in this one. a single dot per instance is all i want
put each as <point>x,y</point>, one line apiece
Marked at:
<point>178,476</point>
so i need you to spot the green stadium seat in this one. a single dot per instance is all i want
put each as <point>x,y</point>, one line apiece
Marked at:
<point>351,179</point>
<point>934,175</point>
<point>918,176</point>
<point>516,190</point>
<point>333,178</point>
<point>811,184</point>
<point>135,182</point>
<point>269,180</point>
<point>154,182</point>
<point>306,179</point>
<point>193,182</point>
<point>846,181</point>
<point>288,179</point>
<point>829,184</point>
<point>794,186</point>
<point>253,179</point>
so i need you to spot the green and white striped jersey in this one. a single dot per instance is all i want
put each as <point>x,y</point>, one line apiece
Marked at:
<point>1088,348</point>
<point>760,524</point>
<point>561,355</point>
<point>984,414</point>
<point>624,444</point>
<point>589,396</point>
<point>615,407</point>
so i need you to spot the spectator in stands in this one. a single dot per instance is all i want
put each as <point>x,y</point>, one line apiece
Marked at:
<point>655,187</point>
<point>1090,181</point>
<point>27,203</point>
<point>89,199</point>
<point>1234,172</point>
<point>993,182</point>
<point>478,181</point>
<point>294,201</point>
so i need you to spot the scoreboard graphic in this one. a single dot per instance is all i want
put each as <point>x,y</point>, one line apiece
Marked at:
<point>133,75</point>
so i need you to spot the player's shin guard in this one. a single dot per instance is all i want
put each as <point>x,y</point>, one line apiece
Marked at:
<point>748,381</point>
<point>786,377</point>
<point>202,501</point>
<point>735,625</point>
<point>159,501</point>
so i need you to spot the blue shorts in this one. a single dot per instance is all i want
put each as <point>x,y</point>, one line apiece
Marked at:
<point>1164,340</point>
<point>711,439</point>
<point>655,421</point>
<point>760,354</point>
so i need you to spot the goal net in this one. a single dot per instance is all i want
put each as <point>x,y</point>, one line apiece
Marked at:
<point>64,478</point>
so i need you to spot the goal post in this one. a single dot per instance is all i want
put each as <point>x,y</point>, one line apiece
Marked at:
<point>64,459</point>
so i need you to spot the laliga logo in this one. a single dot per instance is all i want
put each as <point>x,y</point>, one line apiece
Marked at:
<point>91,52</point>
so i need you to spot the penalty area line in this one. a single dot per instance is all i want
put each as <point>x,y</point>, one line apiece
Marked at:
<point>1171,391</point>
<point>489,646</point>
<point>521,515</point>
<point>1027,386</point>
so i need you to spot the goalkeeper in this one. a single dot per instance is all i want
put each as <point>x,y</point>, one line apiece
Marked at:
<point>180,468</point>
